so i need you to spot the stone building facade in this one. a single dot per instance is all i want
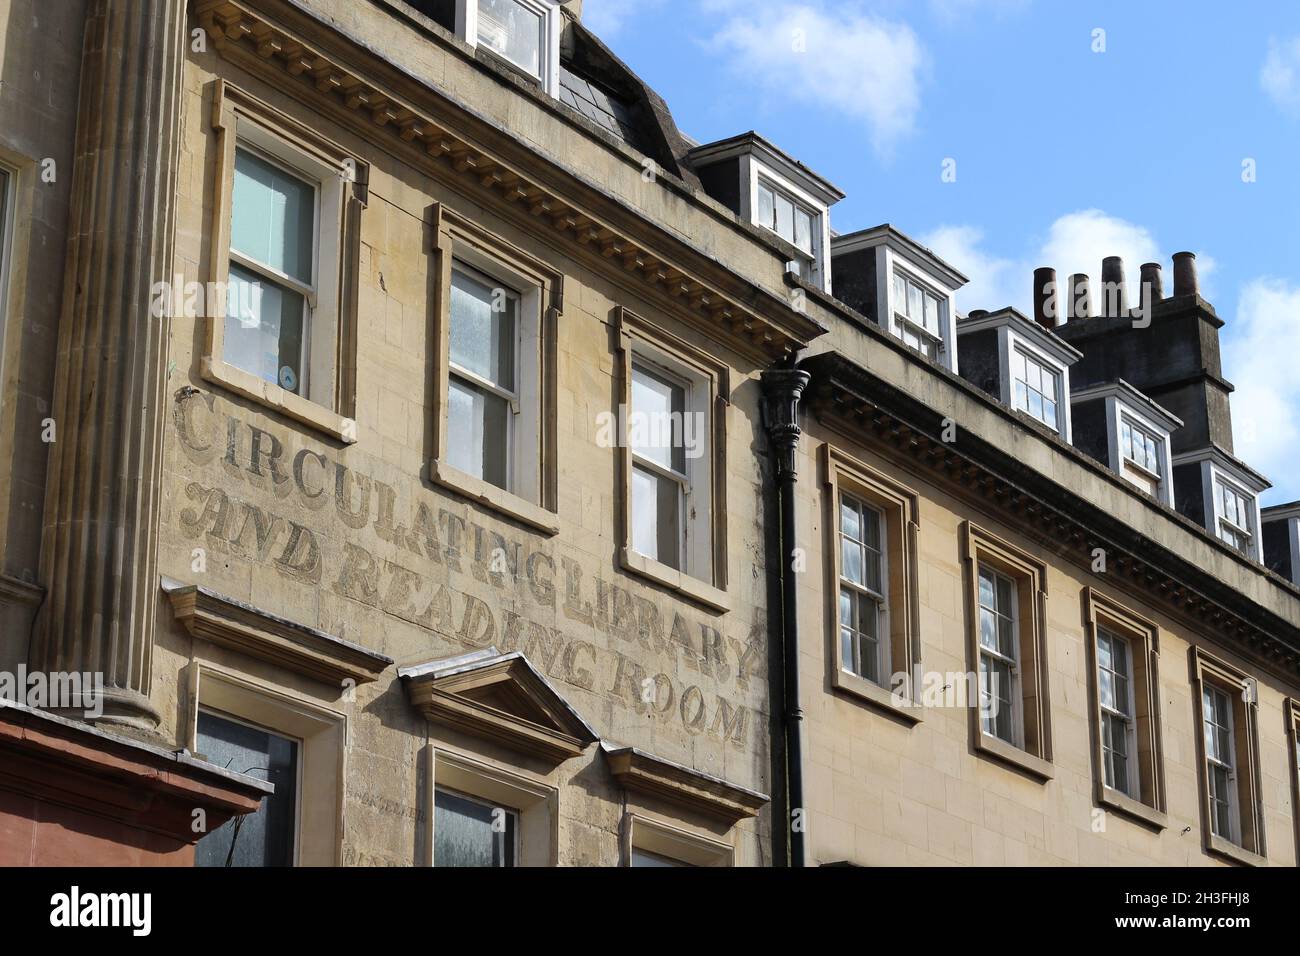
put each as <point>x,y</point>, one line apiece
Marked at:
<point>340,343</point>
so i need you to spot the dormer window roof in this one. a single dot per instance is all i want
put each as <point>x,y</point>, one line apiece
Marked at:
<point>1128,432</point>
<point>1222,492</point>
<point>1021,363</point>
<point>524,33</point>
<point>903,286</point>
<point>767,187</point>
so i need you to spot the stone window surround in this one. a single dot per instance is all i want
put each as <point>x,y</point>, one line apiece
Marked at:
<point>642,831</point>
<point>455,236</point>
<point>235,114</point>
<point>320,731</point>
<point>536,803</point>
<point>983,547</point>
<point>899,504</point>
<point>1143,636</point>
<point>1207,668</point>
<point>631,331</point>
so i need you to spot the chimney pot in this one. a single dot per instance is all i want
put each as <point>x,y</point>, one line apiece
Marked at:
<point>976,313</point>
<point>1152,279</point>
<point>1185,281</point>
<point>1046,308</point>
<point>1114,295</point>
<point>1078,304</point>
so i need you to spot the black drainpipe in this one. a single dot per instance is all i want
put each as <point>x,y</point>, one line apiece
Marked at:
<point>782,388</point>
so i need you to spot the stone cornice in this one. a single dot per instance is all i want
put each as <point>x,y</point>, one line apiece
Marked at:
<point>873,411</point>
<point>413,120</point>
<point>501,697</point>
<point>293,646</point>
<point>645,773</point>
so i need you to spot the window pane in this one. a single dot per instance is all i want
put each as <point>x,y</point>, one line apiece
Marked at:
<point>766,207</point>
<point>900,294</point>
<point>655,429</point>
<point>995,698</point>
<point>483,322</point>
<point>988,628</point>
<point>643,858</point>
<point>478,432</point>
<point>803,231</point>
<point>272,216</point>
<point>656,517</point>
<point>266,837</point>
<point>263,329</point>
<point>513,31</point>
<point>784,218</point>
<point>851,565</point>
<point>469,833</point>
<point>915,306</point>
<point>850,525</point>
<point>1005,595</point>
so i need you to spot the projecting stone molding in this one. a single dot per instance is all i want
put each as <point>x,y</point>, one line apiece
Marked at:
<point>295,647</point>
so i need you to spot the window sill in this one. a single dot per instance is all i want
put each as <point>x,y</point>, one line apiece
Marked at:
<point>683,584</point>
<point>1014,756</point>
<point>273,396</point>
<point>497,499</point>
<point>1237,854</point>
<point>877,696</point>
<point>1127,806</point>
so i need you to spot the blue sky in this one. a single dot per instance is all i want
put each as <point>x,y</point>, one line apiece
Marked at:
<point>1063,153</point>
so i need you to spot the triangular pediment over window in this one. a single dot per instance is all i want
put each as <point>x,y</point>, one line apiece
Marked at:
<point>501,697</point>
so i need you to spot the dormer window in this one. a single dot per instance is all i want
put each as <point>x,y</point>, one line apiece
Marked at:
<point>1128,432</point>
<point>901,286</point>
<point>1022,364</point>
<point>1235,512</point>
<point>792,221</point>
<point>1222,493</point>
<point>524,33</point>
<point>919,315</point>
<point>1140,455</point>
<point>1280,537</point>
<point>770,189</point>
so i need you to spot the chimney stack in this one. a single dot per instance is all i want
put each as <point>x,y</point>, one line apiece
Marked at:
<point>1046,301</point>
<point>1114,295</point>
<point>1078,303</point>
<point>1185,282</point>
<point>1151,280</point>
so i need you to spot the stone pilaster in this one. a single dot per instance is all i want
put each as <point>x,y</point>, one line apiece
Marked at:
<point>99,545</point>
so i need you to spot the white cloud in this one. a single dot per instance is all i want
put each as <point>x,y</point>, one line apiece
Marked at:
<point>605,18</point>
<point>847,61</point>
<point>1260,345</point>
<point>1279,77</point>
<point>994,282</point>
<point>1075,242</point>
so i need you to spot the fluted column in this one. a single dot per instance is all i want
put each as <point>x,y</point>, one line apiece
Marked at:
<point>99,555</point>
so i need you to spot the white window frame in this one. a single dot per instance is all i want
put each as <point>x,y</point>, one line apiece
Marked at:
<point>1045,367</point>
<point>517,842</point>
<point>1234,815</point>
<point>697,483</point>
<point>321,323</point>
<point>1130,787</point>
<point>1221,481</point>
<point>900,320</point>
<point>752,171</point>
<point>523,464</point>
<point>552,26</point>
<point>864,593</point>
<point>810,258</point>
<point>1126,461</point>
<point>1014,693</point>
